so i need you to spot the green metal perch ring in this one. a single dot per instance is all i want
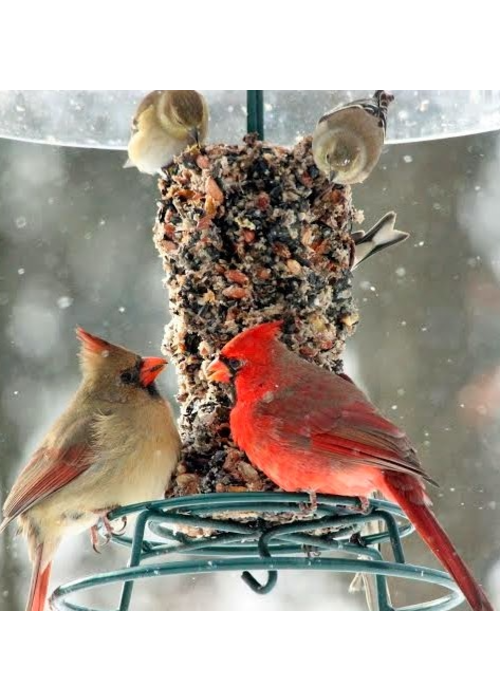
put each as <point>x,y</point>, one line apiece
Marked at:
<point>325,539</point>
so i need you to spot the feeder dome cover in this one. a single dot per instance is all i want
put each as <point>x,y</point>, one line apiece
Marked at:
<point>101,118</point>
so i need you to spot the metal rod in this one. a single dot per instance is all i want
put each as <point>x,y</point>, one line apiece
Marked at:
<point>135,557</point>
<point>255,112</point>
<point>404,571</point>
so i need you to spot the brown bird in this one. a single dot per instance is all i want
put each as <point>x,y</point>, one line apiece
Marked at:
<point>348,141</point>
<point>165,123</point>
<point>115,444</point>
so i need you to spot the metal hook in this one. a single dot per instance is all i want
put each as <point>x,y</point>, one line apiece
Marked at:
<point>272,576</point>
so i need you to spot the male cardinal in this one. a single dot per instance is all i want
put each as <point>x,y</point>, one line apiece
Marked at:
<point>348,141</point>
<point>115,444</point>
<point>310,430</point>
<point>165,123</point>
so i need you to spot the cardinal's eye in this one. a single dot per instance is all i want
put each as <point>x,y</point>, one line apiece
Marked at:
<point>234,365</point>
<point>127,377</point>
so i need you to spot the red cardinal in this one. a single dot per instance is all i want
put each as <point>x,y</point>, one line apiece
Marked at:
<point>311,430</point>
<point>115,444</point>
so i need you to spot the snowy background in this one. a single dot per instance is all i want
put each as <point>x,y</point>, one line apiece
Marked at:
<point>76,248</point>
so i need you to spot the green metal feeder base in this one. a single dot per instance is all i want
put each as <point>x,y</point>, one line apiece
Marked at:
<point>263,532</point>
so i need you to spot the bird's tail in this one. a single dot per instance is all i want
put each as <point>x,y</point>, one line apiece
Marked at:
<point>411,496</point>
<point>39,583</point>
<point>382,235</point>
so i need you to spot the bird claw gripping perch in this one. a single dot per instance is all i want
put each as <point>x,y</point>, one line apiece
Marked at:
<point>312,506</point>
<point>109,531</point>
<point>364,505</point>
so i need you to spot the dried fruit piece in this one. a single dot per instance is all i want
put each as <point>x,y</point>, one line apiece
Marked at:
<point>235,292</point>
<point>236,276</point>
<point>214,191</point>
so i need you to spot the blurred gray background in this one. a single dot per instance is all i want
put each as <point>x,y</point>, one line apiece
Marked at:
<point>76,248</point>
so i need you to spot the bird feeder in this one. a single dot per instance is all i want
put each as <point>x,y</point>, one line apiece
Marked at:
<point>271,532</point>
<point>249,233</point>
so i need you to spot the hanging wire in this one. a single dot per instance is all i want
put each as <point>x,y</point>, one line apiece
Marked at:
<point>255,112</point>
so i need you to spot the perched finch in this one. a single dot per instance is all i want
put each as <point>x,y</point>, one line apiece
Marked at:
<point>382,235</point>
<point>115,444</point>
<point>348,141</point>
<point>165,123</point>
<point>310,430</point>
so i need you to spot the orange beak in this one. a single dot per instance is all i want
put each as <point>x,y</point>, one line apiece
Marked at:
<point>217,371</point>
<point>150,369</point>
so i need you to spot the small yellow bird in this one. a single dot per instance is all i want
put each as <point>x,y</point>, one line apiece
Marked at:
<point>116,443</point>
<point>348,141</point>
<point>165,123</point>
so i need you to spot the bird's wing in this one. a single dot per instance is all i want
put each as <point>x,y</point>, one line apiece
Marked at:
<point>330,414</point>
<point>50,469</point>
<point>360,432</point>
<point>146,103</point>
<point>359,104</point>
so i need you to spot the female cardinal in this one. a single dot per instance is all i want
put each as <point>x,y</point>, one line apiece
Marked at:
<point>115,444</point>
<point>310,430</point>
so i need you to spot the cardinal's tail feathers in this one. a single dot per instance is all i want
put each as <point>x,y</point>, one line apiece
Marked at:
<point>39,583</point>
